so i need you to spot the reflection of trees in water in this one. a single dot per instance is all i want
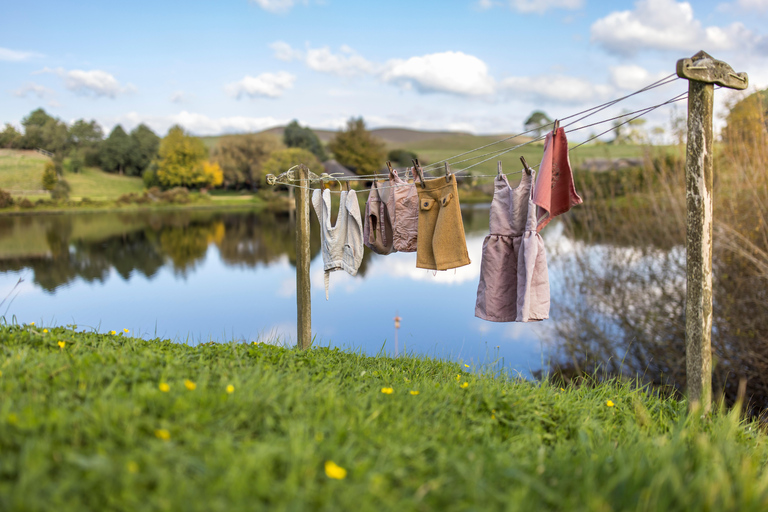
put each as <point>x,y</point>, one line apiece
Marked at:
<point>146,241</point>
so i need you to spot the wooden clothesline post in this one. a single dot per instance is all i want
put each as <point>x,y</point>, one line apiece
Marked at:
<point>303,297</point>
<point>702,72</point>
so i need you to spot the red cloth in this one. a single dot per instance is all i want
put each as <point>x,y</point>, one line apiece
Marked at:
<point>554,192</point>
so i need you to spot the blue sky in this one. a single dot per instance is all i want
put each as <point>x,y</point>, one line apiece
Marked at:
<point>246,65</point>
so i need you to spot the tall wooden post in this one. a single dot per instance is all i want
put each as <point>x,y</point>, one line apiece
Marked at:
<point>702,71</point>
<point>303,299</point>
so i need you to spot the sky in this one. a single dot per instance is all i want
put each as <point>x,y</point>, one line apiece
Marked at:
<point>480,66</point>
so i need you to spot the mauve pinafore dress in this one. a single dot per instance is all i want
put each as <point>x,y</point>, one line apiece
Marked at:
<point>514,283</point>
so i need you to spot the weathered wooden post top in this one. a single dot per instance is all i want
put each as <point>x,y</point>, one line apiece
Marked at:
<point>702,72</point>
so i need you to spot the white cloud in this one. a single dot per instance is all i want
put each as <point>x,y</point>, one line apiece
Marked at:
<point>199,124</point>
<point>537,6</point>
<point>284,52</point>
<point>756,5</point>
<point>664,25</point>
<point>449,72</point>
<point>9,55</point>
<point>345,63</point>
<point>267,85</point>
<point>90,83</point>
<point>555,88</point>
<point>275,5</point>
<point>180,97</point>
<point>633,77</point>
<point>34,89</point>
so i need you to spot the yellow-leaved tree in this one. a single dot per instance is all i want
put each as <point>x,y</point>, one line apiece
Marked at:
<point>182,162</point>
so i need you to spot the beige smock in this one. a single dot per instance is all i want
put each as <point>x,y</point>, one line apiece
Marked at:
<point>441,244</point>
<point>342,244</point>
<point>514,282</point>
<point>403,208</point>
<point>377,231</point>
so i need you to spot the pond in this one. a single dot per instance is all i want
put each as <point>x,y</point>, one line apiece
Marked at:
<point>194,276</point>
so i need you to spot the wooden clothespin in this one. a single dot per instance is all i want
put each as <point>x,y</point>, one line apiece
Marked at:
<point>346,184</point>
<point>528,170</point>
<point>447,173</point>
<point>556,125</point>
<point>418,172</point>
<point>499,168</point>
<point>391,171</point>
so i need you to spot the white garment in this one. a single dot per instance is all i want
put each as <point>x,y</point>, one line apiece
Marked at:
<point>342,244</point>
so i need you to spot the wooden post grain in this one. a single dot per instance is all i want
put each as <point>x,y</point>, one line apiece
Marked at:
<point>702,72</point>
<point>303,298</point>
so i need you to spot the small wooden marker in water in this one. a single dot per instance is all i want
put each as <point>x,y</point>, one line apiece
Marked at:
<point>702,72</point>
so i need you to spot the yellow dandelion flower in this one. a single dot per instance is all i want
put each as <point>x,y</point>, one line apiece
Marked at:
<point>163,434</point>
<point>561,389</point>
<point>414,392</point>
<point>164,387</point>
<point>132,467</point>
<point>31,323</point>
<point>332,470</point>
<point>255,342</point>
<point>62,344</point>
<point>493,416</point>
<point>609,403</point>
<point>466,366</point>
<point>464,385</point>
<point>45,330</point>
<point>190,385</point>
<point>387,391</point>
<point>126,331</point>
<point>458,377</point>
<point>230,389</point>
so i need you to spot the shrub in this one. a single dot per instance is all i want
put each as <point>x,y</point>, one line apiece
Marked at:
<point>5,199</point>
<point>60,190</point>
<point>26,203</point>
<point>49,176</point>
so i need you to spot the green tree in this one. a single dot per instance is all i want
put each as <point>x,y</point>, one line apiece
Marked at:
<point>296,136</point>
<point>357,149</point>
<point>85,138</point>
<point>115,151</point>
<point>182,161</point>
<point>46,132</point>
<point>537,122</point>
<point>401,157</point>
<point>10,137</point>
<point>144,144</point>
<point>49,176</point>
<point>242,157</point>
<point>283,159</point>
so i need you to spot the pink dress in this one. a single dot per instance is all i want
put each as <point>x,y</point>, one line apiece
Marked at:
<point>554,192</point>
<point>514,283</point>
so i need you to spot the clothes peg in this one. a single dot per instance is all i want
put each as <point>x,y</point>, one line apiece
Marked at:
<point>417,169</point>
<point>447,173</point>
<point>525,166</point>
<point>499,168</point>
<point>389,166</point>
<point>346,184</point>
<point>556,126</point>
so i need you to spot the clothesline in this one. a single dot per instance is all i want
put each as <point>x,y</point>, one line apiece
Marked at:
<point>589,112</point>
<point>498,153</point>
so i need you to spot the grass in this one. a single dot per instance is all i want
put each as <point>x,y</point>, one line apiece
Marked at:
<point>86,426</point>
<point>21,172</point>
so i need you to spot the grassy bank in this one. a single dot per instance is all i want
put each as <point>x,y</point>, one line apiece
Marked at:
<point>108,422</point>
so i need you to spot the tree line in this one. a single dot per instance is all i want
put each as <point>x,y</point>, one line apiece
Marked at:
<point>181,160</point>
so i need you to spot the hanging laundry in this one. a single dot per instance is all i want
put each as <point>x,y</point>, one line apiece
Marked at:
<point>377,232</point>
<point>403,207</point>
<point>342,244</point>
<point>514,282</point>
<point>554,192</point>
<point>441,244</point>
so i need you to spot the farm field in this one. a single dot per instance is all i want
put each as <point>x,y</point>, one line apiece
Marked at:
<point>106,421</point>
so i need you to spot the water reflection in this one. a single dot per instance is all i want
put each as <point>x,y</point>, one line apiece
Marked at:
<point>199,275</point>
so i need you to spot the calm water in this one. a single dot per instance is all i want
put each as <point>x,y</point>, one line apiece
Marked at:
<point>200,276</point>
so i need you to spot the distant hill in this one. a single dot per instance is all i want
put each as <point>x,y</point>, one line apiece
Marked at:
<point>396,137</point>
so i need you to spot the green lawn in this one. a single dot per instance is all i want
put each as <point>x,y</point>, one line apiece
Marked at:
<point>107,422</point>
<point>21,174</point>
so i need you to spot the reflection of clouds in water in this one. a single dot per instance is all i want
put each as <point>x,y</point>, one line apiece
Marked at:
<point>515,331</point>
<point>404,265</point>
<point>287,288</point>
<point>10,289</point>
